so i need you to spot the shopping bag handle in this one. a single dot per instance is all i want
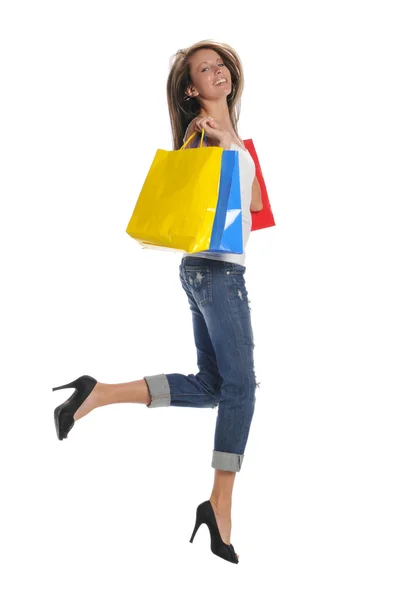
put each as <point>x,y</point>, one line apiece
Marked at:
<point>192,136</point>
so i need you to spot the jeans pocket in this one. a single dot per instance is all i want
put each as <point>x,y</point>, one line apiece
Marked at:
<point>198,279</point>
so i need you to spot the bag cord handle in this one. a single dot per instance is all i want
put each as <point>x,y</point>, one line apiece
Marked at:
<point>192,136</point>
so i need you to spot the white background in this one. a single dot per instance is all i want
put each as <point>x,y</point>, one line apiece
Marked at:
<point>108,512</point>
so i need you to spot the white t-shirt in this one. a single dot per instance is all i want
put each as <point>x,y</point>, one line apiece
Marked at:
<point>247,172</point>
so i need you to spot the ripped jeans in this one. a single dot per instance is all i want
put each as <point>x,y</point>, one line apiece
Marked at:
<point>218,299</point>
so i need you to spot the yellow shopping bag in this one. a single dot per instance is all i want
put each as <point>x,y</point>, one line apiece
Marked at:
<point>177,203</point>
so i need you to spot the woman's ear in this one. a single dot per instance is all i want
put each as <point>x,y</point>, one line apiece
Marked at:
<point>191,92</point>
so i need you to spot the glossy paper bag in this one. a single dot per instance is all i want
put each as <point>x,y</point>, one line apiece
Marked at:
<point>262,218</point>
<point>177,204</point>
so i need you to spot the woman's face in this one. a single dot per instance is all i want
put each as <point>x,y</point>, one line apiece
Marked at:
<point>207,69</point>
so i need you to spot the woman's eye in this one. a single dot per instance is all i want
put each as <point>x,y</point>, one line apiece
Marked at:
<point>220,65</point>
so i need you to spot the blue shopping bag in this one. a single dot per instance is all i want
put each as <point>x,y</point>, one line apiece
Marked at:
<point>227,233</point>
<point>227,229</point>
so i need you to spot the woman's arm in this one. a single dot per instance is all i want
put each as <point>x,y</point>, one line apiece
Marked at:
<point>256,203</point>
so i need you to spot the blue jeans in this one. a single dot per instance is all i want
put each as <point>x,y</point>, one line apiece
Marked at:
<point>218,299</point>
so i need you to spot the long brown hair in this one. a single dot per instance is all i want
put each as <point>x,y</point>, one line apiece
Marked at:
<point>182,111</point>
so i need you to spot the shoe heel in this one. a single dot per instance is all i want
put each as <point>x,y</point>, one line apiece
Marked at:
<point>198,523</point>
<point>63,387</point>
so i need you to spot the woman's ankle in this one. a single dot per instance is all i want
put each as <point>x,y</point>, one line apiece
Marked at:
<point>221,503</point>
<point>94,400</point>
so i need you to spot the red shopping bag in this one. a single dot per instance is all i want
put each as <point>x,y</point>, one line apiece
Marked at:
<point>264,217</point>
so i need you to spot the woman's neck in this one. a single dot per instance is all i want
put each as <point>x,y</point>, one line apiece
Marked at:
<point>219,112</point>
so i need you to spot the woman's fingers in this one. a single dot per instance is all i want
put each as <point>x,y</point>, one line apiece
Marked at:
<point>201,123</point>
<point>210,127</point>
<point>205,122</point>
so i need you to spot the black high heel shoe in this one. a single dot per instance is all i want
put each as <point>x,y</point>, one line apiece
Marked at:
<point>63,414</point>
<point>205,514</point>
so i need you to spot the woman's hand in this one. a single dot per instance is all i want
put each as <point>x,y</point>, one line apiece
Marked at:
<point>221,137</point>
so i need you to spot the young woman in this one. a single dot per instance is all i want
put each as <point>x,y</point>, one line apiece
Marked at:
<point>204,88</point>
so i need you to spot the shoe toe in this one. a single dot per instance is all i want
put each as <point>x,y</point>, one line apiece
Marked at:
<point>235,556</point>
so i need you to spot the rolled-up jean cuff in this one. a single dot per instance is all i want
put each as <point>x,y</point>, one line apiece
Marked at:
<point>227,461</point>
<point>159,390</point>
